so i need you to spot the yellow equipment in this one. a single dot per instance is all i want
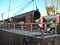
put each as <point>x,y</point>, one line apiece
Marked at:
<point>51,10</point>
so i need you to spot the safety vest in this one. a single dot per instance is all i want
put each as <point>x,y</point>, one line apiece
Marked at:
<point>52,25</point>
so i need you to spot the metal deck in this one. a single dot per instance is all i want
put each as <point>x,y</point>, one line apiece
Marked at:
<point>19,37</point>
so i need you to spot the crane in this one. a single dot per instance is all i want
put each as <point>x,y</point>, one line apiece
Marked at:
<point>51,10</point>
<point>21,9</point>
<point>56,6</point>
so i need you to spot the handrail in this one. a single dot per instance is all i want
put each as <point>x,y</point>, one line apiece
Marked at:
<point>23,26</point>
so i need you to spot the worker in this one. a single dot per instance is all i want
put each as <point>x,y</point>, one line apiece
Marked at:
<point>52,25</point>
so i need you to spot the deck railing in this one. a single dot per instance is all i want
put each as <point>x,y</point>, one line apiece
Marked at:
<point>23,26</point>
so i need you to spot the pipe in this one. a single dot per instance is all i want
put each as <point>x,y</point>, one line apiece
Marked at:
<point>35,15</point>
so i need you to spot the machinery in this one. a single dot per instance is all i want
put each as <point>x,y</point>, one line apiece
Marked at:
<point>21,17</point>
<point>32,16</point>
<point>51,9</point>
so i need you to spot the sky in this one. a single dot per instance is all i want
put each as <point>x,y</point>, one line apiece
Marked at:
<point>21,6</point>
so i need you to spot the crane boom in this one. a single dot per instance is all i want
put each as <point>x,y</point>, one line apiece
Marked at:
<point>18,7</point>
<point>56,6</point>
<point>21,9</point>
<point>51,3</point>
<point>49,8</point>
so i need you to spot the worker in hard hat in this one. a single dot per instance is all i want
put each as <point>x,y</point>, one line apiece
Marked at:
<point>52,25</point>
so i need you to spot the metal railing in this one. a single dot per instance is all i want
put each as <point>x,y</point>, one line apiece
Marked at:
<point>20,26</point>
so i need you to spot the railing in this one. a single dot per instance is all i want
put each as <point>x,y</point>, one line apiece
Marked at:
<point>20,26</point>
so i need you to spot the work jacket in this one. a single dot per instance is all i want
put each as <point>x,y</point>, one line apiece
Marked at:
<point>52,25</point>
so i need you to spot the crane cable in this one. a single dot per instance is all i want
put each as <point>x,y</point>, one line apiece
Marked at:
<point>21,9</point>
<point>35,4</point>
<point>9,8</point>
<point>15,8</point>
